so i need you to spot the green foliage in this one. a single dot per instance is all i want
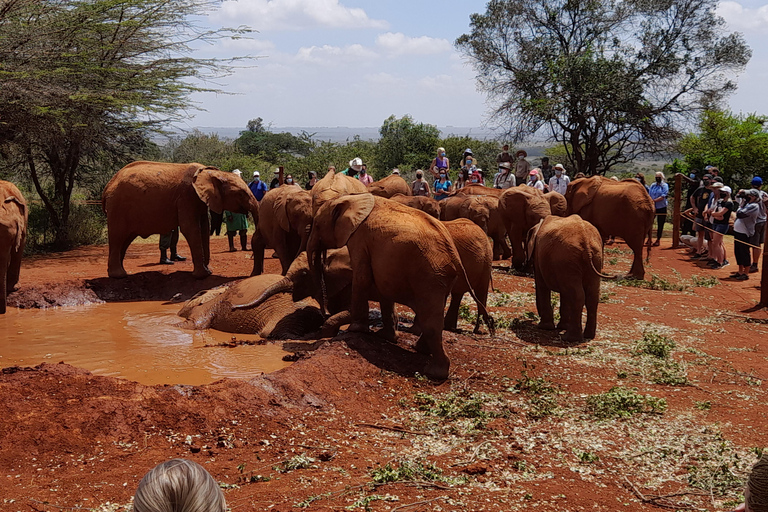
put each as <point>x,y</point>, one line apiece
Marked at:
<point>452,406</point>
<point>621,402</point>
<point>297,462</point>
<point>705,281</point>
<point>406,144</point>
<point>586,457</point>
<point>670,373</point>
<point>608,81</point>
<point>735,144</point>
<point>541,393</point>
<point>409,471</point>
<point>260,142</point>
<point>365,501</point>
<point>703,406</point>
<point>655,344</point>
<point>717,468</point>
<point>86,81</point>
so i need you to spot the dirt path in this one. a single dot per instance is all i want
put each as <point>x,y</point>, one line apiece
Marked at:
<point>352,426</point>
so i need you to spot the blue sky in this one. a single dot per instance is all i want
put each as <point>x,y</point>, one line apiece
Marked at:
<point>356,62</point>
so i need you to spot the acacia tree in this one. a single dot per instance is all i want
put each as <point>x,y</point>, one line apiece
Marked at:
<point>610,80</point>
<point>81,78</point>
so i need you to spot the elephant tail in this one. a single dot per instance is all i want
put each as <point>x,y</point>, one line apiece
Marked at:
<point>604,276</point>
<point>285,285</point>
<point>103,204</point>
<point>481,308</point>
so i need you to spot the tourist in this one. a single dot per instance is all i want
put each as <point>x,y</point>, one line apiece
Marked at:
<point>257,187</point>
<point>312,180</point>
<point>442,186</point>
<point>522,167</point>
<point>365,178</point>
<point>721,216</point>
<point>559,182</point>
<point>419,186</point>
<point>758,238</point>
<point>659,192</point>
<point>743,229</point>
<point>440,162</point>
<point>355,166</point>
<point>756,491</point>
<point>505,178</point>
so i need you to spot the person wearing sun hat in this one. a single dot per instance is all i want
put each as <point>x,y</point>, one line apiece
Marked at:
<point>758,239</point>
<point>522,167</point>
<point>355,166</point>
<point>559,182</point>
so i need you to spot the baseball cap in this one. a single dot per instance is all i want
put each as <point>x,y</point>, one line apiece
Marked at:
<point>256,174</point>
<point>757,181</point>
<point>726,189</point>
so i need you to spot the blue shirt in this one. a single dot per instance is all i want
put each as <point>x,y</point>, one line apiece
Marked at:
<point>659,190</point>
<point>258,189</point>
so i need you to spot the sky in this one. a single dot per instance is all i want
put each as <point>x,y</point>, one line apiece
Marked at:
<point>356,62</point>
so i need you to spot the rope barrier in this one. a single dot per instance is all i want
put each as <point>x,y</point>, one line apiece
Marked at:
<point>682,214</point>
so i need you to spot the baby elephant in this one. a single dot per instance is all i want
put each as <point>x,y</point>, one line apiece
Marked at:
<point>277,317</point>
<point>567,254</point>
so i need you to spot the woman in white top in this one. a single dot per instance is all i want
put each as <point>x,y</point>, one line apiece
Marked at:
<point>535,180</point>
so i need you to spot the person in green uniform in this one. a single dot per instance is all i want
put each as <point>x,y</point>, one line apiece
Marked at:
<point>236,223</point>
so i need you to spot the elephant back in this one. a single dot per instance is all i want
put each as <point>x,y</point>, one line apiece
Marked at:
<point>557,203</point>
<point>423,203</point>
<point>479,190</point>
<point>332,186</point>
<point>389,186</point>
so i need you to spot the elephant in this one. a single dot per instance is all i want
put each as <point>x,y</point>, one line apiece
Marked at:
<point>334,185</point>
<point>389,186</point>
<point>479,190</point>
<point>484,211</point>
<point>476,256</point>
<point>400,254</point>
<point>521,208</point>
<point>567,256</point>
<point>619,208</point>
<point>423,203</point>
<point>285,216</point>
<point>13,237</point>
<point>145,198</point>
<point>557,203</point>
<point>278,317</point>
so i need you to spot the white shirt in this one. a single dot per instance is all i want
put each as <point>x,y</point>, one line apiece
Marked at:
<point>559,185</point>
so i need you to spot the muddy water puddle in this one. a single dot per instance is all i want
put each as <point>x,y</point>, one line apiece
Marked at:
<point>131,340</point>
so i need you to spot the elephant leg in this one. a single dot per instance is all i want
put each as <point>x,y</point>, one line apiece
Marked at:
<point>190,228</point>
<point>518,249</point>
<point>497,253</point>
<point>257,246</point>
<point>482,298</point>
<point>430,315</point>
<point>592,297</point>
<point>452,315</point>
<point>636,244</point>
<point>118,246</point>
<point>332,325</point>
<point>571,306</point>
<point>14,269</point>
<point>206,238</point>
<point>544,304</point>
<point>362,282</point>
<point>4,258</point>
<point>389,319</point>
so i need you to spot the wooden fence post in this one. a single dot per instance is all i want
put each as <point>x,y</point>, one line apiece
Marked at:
<point>676,211</point>
<point>764,277</point>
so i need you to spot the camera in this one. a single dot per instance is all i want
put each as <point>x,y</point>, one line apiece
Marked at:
<point>741,194</point>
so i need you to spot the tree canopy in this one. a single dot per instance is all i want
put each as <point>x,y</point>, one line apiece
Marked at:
<point>83,78</point>
<point>610,80</point>
<point>736,144</point>
<point>407,143</point>
<point>257,140</point>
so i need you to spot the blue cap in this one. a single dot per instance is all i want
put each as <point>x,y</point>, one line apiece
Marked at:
<point>757,181</point>
<point>692,175</point>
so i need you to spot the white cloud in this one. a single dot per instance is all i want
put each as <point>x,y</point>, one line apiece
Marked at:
<point>744,19</point>
<point>334,55</point>
<point>400,44</point>
<point>270,15</point>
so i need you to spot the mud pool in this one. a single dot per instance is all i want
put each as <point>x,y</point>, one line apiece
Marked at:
<point>132,340</point>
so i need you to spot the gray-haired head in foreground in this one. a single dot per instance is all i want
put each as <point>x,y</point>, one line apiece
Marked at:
<point>178,485</point>
<point>757,486</point>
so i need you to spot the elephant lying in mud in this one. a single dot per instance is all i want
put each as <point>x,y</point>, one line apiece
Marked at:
<point>277,317</point>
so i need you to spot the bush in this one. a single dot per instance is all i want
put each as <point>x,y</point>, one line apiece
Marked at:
<point>621,402</point>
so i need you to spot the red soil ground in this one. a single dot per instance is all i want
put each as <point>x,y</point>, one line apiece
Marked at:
<point>318,433</point>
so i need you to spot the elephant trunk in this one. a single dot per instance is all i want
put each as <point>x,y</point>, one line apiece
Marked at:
<point>285,285</point>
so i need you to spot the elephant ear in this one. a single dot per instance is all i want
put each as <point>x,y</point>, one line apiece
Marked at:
<point>208,185</point>
<point>530,243</point>
<point>22,206</point>
<point>348,213</point>
<point>584,194</point>
<point>280,211</point>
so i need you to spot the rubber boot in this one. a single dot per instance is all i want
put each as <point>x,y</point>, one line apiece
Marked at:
<point>164,258</point>
<point>244,241</point>
<point>231,237</point>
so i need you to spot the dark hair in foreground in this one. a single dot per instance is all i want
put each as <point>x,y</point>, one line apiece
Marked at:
<point>757,485</point>
<point>178,485</point>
